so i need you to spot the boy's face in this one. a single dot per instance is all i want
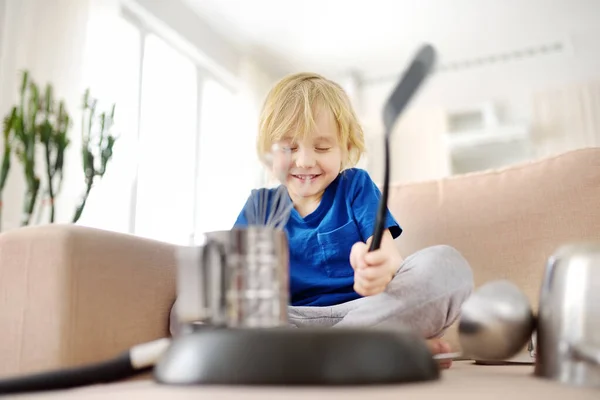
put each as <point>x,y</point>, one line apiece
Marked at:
<point>311,165</point>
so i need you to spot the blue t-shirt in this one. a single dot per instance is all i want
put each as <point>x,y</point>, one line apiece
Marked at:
<point>320,243</point>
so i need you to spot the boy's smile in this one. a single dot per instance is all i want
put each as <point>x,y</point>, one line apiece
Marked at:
<point>306,180</point>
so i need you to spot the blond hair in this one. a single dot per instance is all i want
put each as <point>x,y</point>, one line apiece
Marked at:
<point>289,110</point>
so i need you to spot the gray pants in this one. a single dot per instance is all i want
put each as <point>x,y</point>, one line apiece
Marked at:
<point>425,295</point>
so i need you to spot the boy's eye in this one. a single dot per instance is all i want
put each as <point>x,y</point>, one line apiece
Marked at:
<point>323,148</point>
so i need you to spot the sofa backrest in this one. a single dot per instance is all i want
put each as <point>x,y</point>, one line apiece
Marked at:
<point>506,222</point>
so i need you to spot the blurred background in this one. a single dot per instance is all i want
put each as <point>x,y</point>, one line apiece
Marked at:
<point>516,80</point>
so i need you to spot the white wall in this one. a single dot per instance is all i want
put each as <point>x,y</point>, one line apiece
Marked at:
<point>510,85</point>
<point>2,24</point>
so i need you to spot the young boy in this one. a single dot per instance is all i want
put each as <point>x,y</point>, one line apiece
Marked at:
<point>334,280</point>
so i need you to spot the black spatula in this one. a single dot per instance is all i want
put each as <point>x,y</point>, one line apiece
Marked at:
<point>412,79</point>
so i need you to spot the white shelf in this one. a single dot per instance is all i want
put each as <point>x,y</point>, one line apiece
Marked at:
<point>492,147</point>
<point>497,135</point>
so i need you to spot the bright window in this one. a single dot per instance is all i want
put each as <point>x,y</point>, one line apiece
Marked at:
<point>218,162</point>
<point>109,205</point>
<point>165,192</point>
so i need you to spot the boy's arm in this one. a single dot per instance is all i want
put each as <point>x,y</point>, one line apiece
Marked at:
<point>388,247</point>
<point>374,270</point>
<point>387,240</point>
<point>387,253</point>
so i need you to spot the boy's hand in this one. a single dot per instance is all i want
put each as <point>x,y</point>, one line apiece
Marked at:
<point>373,271</point>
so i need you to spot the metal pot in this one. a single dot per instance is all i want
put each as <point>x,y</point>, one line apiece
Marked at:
<point>236,278</point>
<point>568,329</point>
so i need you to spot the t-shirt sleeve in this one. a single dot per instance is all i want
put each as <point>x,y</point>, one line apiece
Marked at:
<point>364,197</point>
<point>256,209</point>
<point>241,220</point>
<point>247,210</point>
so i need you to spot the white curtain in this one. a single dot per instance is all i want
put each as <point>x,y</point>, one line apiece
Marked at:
<point>49,38</point>
<point>566,118</point>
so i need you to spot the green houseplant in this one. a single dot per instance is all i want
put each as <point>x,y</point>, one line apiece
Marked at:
<point>5,168</point>
<point>97,145</point>
<point>40,122</point>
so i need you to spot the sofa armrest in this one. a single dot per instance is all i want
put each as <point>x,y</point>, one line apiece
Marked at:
<point>72,295</point>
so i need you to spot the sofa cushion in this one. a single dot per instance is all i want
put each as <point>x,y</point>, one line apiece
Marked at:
<point>506,222</point>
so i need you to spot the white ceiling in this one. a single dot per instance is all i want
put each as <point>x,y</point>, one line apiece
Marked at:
<point>375,37</point>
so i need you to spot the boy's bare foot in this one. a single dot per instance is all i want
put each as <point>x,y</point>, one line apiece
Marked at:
<point>438,346</point>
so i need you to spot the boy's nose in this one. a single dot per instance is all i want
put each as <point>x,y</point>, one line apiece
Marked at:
<point>305,158</point>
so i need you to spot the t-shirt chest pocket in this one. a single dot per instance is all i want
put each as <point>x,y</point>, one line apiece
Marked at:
<point>335,248</point>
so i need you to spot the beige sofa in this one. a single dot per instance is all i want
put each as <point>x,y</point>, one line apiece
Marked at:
<point>71,295</point>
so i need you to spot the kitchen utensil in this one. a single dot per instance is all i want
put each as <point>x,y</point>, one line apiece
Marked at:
<point>405,90</point>
<point>236,278</point>
<point>496,321</point>
<point>290,356</point>
<point>568,334</point>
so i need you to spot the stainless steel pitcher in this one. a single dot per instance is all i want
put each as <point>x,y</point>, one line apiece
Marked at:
<point>236,278</point>
<point>568,331</point>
